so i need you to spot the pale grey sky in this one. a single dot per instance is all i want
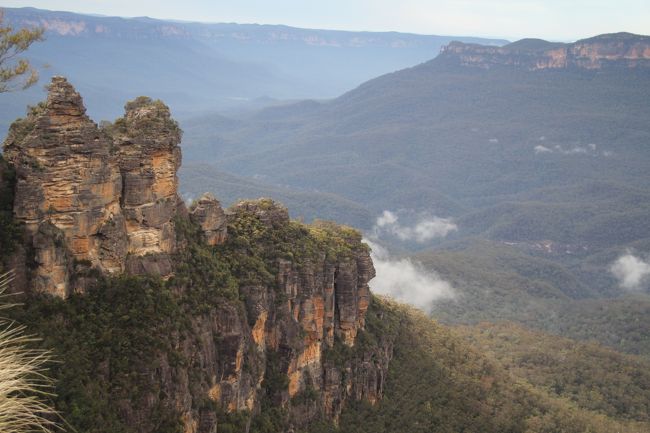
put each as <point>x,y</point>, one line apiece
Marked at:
<point>512,19</point>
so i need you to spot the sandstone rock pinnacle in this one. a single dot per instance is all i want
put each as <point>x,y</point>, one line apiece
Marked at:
<point>209,215</point>
<point>68,180</point>
<point>89,198</point>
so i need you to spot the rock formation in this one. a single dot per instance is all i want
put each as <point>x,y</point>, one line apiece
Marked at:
<point>620,50</point>
<point>290,329</point>
<point>67,190</point>
<point>208,214</point>
<point>105,199</point>
<point>318,303</point>
<point>148,156</point>
<point>88,199</point>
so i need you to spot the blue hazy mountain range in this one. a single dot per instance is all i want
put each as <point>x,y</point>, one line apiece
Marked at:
<point>196,67</point>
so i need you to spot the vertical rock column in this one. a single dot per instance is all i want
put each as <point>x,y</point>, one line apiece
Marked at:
<point>67,191</point>
<point>210,217</point>
<point>147,141</point>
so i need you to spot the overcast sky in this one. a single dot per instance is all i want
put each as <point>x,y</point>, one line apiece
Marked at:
<point>512,19</point>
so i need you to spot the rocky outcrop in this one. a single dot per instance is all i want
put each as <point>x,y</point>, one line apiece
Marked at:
<point>148,157</point>
<point>316,306</point>
<point>68,182</point>
<point>268,212</point>
<point>106,198</point>
<point>620,50</point>
<point>207,213</point>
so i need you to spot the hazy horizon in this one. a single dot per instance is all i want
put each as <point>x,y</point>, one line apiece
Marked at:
<point>506,19</point>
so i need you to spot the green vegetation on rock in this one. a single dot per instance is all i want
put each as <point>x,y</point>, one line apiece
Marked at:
<point>111,338</point>
<point>9,231</point>
<point>437,382</point>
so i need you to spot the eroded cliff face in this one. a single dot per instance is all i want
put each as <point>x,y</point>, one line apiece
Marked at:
<point>289,342</point>
<point>67,190</point>
<point>314,306</point>
<point>90,200</point>
<point>207,213</point>
<point>620,50</point>
<point>294,341</point>
<point>259,311</point>
<point>148,156</point>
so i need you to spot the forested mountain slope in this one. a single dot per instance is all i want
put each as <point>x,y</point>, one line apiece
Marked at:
<point>525,144</point>
<point>462,131</point>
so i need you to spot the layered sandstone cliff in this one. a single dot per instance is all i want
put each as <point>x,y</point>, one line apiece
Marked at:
<point>620,50</point>
<point>265,310</point>
<point>286,343</point>
<point>67,190</point>
<point>88,199</point>
<point>148,157</point>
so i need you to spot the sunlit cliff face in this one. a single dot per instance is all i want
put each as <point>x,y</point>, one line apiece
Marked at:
<point>90,198</point>
<point>595,53</point>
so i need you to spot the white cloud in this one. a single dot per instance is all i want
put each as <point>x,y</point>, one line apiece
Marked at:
<point>406,281</point>
<point>424,230</point>
<point>574,150</point>
<point>590,149</point>
<point>632,272</point>
<point>386,219</point>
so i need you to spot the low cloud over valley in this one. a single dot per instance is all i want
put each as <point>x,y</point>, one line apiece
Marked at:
<point>632,272</point>
<point>425,229</point>
<point>406,281</point>
<point>590,149</point>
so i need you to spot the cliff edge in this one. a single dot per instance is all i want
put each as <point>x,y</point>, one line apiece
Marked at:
<point>178,319</point>
<point>616,50</point>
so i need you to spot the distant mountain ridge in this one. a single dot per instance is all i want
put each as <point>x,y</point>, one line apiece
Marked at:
<point>80,25</point>
<point>526,157</point>
<point>205,67</point>
<point>428,126</point>
<point>603,51</point>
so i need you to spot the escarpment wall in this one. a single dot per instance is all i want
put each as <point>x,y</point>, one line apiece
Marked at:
<point>621,50</point>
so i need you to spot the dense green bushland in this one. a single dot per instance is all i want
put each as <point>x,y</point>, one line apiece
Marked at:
<point>495,282</point>
<point>103,341</point>
<point>108,340</point>
<point>594,377</point>
<point>437,382</point>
